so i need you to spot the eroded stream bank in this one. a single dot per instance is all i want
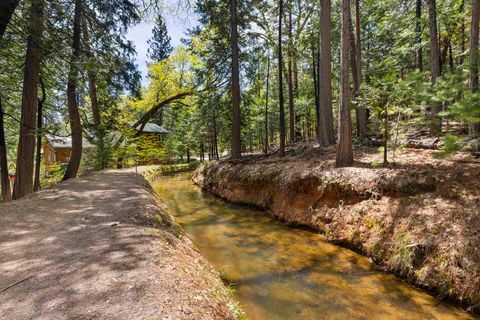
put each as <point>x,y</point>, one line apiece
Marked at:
<point>287,273</point>
<point>418,219</point>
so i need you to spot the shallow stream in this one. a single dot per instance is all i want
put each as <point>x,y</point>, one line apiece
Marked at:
<point>288,273</point>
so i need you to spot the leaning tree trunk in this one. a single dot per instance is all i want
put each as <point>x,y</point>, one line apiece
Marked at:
<point>280,81</point>
<point>474,128</point>
<point>236,139</point>
<point>327,136</point>
<point>38,159</point>
<point>75,124</point>
<point>26,143</point>
<point>436,122</point>
<point>344,147</point>
<point>291,110</point>
<point>7,8</point>
<point>418,31</point>
<point>4,181</point>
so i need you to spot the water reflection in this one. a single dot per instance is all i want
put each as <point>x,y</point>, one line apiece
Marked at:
<point>285,273</point>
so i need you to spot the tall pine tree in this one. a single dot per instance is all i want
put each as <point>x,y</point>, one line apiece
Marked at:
<point>160,47</point>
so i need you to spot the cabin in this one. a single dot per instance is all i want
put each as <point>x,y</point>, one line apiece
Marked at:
<point>151,129</point>
<point>56,149</point>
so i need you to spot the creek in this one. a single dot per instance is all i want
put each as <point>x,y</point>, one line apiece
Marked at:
<point>279,272</point>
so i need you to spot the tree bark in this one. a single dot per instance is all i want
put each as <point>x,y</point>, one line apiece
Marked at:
<point>315,87</point>
<point>436,122</point>
<point>462,31</point>
<point>236,152</point>
<point>344,147</point>
<point>290,76</point>
<point>4,177</point>
<point>7,8</point>
<point>75,124</point>
<point>325,74</point>
<point>474,128</point>
<point>92,81</point>
<point>266,106</point>
<point>26,144</point>
<point>362,114</point>
<point>280,81</point>
<point>418,32</point>
<point>215,137</point>
<point>38,160</point>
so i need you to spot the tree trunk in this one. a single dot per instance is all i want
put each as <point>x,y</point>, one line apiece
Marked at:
<point>38,160</point>
<point>280,81</point>
<point>236,139</point>
<point>266,106</point>
<point>7,8</point>
<point>462,31</point>
<point>315,87</point>
<point>215,138</point>
<point>26,143</point>
<point>75,124</point>
<point>362,113</point>
<point>291,110</point>
<point>4,177</point>
<point>450,59</point>
<point>92,81</point>
<point>474,128</point>
<point>385,134</point>
<point>344,148</point>
<point>436,122</point>
<point>418,31</point>
<point>325,74</point>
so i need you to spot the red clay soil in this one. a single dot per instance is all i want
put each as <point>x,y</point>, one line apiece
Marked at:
<point>419,218</point>
<point>102,247</point>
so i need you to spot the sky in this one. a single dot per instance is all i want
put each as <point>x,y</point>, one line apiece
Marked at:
<point>177,21</point>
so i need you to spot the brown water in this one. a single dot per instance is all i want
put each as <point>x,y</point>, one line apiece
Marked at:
<point>287,273</point>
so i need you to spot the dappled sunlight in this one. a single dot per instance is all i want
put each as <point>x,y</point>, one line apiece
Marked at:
<point>83,249</point>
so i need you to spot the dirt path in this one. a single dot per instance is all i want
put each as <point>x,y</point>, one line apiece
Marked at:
<point>88,248</point>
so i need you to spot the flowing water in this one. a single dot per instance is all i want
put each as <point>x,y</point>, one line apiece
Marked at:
<point>287,273</point>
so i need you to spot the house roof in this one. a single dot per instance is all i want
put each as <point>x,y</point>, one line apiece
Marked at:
<point>65,142</point>
<point>150,128</point>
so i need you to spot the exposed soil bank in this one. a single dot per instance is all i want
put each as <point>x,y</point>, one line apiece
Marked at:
<point>419,219</point>
<point>102,247</point>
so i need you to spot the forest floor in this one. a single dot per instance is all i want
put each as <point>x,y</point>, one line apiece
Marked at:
<point>102,247</point>
<point>418,218</point>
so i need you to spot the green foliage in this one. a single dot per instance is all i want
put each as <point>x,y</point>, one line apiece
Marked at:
<point>104,153</point>
<point>157,171</point>
<point>52,174</point>
<point>451,145</point>
<point>160,47</point>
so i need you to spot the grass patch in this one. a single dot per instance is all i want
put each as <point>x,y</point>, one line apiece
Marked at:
<point>403,257</point>
<point>157,171</point>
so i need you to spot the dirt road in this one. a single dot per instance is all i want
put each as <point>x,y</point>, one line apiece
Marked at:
<point>94,247</point>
